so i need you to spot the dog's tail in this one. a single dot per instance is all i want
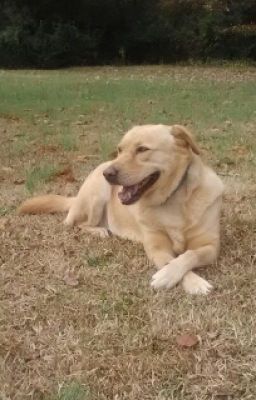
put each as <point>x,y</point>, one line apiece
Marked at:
<point>47,204</point>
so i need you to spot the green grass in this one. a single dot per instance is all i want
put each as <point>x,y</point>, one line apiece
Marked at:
<point>54,101</point>
<point>140,100</point>
<point>73,391</point>
<point>67,141</point>
<point>21,143</point>
<point>39,175</point>
<point>5,210</point>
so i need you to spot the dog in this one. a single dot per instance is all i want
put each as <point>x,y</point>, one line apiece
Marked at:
<point>156,191</point>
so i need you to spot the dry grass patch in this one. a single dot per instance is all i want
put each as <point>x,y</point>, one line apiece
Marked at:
<point>78,320</point>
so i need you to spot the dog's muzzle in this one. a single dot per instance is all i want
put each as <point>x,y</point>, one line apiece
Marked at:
<point>111,175</point>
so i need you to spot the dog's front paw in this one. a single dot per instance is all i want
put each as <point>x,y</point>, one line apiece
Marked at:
<point>95,231</point>
<point>194,284</point>
<point>167,277</point>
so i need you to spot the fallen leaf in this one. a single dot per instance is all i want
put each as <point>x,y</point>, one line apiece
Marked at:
<point>85,158</point>
<point>187,340</point>
<point>240,150</point>
<point>67,174</point>
<point>71,279</point>
<point>112,155</point>
<point>19,181</point>
<point>47,148</point>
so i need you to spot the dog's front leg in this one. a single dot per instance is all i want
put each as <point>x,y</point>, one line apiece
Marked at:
<point>158,248</point>
<point>174,271</point>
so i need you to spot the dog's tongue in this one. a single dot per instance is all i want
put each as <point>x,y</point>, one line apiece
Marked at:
<point>127,193</point>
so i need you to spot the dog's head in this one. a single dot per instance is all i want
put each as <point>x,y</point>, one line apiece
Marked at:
<point>148,157</point>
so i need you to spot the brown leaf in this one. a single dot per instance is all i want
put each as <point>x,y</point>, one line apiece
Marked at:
<point>85,158</point>
<point>187,340</point>
<point>113,155</point>
<point>240,150</point>
<point>47,148</point>
<point>71,279</point>
<point>67,174</point>
<point>19,181</point>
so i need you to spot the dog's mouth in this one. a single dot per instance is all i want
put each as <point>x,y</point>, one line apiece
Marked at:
<point>131,194</point>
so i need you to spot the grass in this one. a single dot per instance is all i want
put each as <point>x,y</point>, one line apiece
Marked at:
<point>110,102</point>
<point>39,175</point>
<point>4,211</point>
<point>67,141</point>
<point>110,336</point>
<point>74,391</point>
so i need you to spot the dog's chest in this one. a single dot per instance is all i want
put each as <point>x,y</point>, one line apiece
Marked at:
<point>170,219</point>
<point>173,223</point>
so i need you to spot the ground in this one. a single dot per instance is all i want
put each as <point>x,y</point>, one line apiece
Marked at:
<point>78,319</point>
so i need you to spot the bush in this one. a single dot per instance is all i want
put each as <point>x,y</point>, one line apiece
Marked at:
<point>237,42</point>
<point>54,45</point>
<point>57,34</point>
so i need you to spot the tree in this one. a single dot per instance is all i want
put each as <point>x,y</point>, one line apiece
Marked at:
<point>58,33</point>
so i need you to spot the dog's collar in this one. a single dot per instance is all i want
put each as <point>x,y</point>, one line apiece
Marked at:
<point>180,183</point>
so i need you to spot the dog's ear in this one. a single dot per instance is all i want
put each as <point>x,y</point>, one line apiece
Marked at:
<point>182,134</point>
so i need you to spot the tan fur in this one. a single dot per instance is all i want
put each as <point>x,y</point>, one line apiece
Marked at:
<point>181,133</point>
<point>176,219</point>
<point>47,204</point>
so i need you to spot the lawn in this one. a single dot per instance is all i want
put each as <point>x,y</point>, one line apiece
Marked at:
<point>78,319</point>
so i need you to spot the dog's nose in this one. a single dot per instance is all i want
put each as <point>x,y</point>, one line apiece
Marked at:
<point>110,174</point>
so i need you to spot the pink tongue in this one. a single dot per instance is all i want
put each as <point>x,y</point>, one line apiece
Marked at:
<point>127,193</point>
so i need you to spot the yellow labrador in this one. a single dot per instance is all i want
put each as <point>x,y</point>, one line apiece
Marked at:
<point>156,191</point>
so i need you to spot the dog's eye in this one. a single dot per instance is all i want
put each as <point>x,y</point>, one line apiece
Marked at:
<point>141,149</point>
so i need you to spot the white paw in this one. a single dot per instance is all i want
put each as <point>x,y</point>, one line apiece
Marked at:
<point>102,232</point>
<point>194,284</point>
<point>167,277</point>
<point>68,221</point>
<point>97,231</point>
